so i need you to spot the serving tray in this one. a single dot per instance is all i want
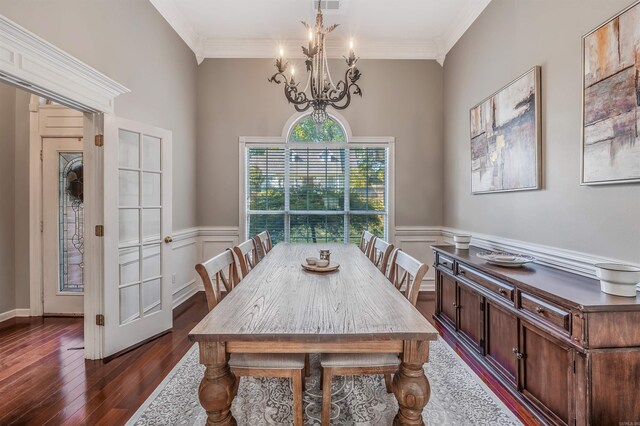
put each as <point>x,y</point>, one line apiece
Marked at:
<point>314,268</point>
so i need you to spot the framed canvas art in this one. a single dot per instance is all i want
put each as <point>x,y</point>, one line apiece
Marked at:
<point>611,101</point>
<point>506,138</point>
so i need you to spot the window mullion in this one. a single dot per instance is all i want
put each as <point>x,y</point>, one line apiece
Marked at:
<point>347,202</point>
<point>287,184</point>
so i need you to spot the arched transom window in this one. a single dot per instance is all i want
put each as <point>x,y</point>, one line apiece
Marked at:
<point>316,186</point>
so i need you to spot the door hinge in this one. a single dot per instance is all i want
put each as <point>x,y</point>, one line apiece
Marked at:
<point>574,366</point>
<point>482,306</point>
<point>99,319</point>
<point>41,226</point>
<point>41,155</point>
<point>99,141</point>
<point>99,231</point>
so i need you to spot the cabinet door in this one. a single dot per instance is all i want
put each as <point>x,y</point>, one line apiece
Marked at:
<point>470,321</point>
<point>546,372</point>
<point>502,340</point>
<point>447,298</point>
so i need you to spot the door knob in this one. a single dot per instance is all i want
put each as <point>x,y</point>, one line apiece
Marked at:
<point>168,239</point>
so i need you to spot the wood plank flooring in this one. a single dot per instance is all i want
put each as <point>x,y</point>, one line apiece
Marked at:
<point>44,379</point>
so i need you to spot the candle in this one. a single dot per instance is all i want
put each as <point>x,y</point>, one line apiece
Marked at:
<point>351,45</point>
<point>281,52</point>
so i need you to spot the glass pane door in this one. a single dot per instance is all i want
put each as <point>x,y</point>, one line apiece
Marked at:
<point>140,220</point>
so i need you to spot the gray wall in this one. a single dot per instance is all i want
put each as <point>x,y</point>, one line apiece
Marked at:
<point>509,38</point>
<point>400,98</point>
<point>7,256</point>
<point>129,41</point>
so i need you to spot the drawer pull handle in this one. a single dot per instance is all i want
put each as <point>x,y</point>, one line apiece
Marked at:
<point>517,353</point>
<point>540,310</point>
<point>502,291</point>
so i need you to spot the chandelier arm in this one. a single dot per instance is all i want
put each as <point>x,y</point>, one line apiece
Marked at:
<point>295,97</point>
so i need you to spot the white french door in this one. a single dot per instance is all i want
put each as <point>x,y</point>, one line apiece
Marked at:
<point>63,226</point>
<point>137,227</point>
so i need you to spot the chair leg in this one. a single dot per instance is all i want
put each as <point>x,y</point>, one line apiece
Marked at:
<point>388,381</point>
<point>307,365</point>
<point>297,379</point>
<point>321,377</point>
<point>326,396</point>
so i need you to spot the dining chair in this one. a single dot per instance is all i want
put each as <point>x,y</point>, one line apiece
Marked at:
<point>247,254</point>
<point>405,271</point>
<point>379,254</point>
<point>290,366</point>
<point>365,242</point>
<point>263,243</point>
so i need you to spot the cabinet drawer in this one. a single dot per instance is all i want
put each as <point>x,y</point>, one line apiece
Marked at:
<point>445,262</point>
<point>548,312</point>
<point>501,289</point>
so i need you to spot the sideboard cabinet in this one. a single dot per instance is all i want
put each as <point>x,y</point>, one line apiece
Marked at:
<point>567,351</point>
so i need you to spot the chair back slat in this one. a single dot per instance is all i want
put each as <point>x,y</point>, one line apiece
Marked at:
<point>365,242</point>
<point>407,272</point>
<point>221,269</point>
<point>247,254</point>
<point>263,243</point>
<point>379,254</point>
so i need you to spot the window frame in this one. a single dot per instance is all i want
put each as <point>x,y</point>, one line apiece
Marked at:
<point>248,142</point>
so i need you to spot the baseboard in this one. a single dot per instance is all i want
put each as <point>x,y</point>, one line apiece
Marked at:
<point>13,313</point>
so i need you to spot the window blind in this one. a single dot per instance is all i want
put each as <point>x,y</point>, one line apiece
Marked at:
<point>317,195</point>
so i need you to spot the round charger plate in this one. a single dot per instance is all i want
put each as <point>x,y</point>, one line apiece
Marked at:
<point>314,268</point>
<point>509,260</point>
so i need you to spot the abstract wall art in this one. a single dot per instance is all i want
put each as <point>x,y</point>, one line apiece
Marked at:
<point>611,101</point>
<point>505,138</point>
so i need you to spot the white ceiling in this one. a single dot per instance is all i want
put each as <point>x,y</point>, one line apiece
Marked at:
<point>381,29</point>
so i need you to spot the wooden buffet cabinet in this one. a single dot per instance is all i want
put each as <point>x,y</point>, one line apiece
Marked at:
<point>567,351</point>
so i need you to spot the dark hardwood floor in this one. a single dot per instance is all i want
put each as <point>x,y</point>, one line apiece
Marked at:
<point>44,379</point>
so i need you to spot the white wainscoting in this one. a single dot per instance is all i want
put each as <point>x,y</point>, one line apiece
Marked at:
<point>194,245</point>
<point>417,241</point>
<point>15,313</point>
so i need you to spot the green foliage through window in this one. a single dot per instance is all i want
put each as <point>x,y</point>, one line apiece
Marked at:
<point>318,194</point>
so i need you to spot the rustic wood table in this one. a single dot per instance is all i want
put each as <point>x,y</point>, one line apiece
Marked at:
<point>280,308</point>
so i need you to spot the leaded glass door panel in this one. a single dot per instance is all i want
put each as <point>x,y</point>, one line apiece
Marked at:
<point>63,226</point>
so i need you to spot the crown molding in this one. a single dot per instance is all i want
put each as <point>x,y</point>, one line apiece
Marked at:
<point>172,14</point>
<point>32,63</point>
<point>463,21</point>
<point>260,48</point>
<point>203,47</point>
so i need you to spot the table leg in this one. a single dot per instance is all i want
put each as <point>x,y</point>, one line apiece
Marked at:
<point>218,386</point>
<point>410,385</point>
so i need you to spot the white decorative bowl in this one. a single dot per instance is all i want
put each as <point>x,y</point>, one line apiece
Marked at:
<point>462,241</point>
<point>322,263</point>
<point>617,279</point>
<point>312,260</point>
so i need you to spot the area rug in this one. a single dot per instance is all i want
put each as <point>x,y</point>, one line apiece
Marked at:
<point>458,397</point>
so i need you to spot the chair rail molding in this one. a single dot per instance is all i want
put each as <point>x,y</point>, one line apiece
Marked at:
<point>32,63</point>
<point>567,260</point>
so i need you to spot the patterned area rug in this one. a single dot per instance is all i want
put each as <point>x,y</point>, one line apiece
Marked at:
<point>458,397</point>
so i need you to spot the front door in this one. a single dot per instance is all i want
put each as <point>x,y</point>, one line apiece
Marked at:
<point>137,227</point>
<point>62,226</point>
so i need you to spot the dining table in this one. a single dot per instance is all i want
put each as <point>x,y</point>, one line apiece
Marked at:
<point>279,307</point>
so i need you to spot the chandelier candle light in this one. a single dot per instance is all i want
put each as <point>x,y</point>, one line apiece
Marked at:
<point>323,92</point>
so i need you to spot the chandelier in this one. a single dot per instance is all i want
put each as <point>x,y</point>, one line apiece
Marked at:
<point>322,92</point>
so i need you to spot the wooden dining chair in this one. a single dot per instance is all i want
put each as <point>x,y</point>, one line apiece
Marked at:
<point>379,254</point>
<point>247,255</point>
<point>405,271</point>
<point>222,268</point>
<point>263,243</point>
<point>365,242</point>
<point>214,269</point>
